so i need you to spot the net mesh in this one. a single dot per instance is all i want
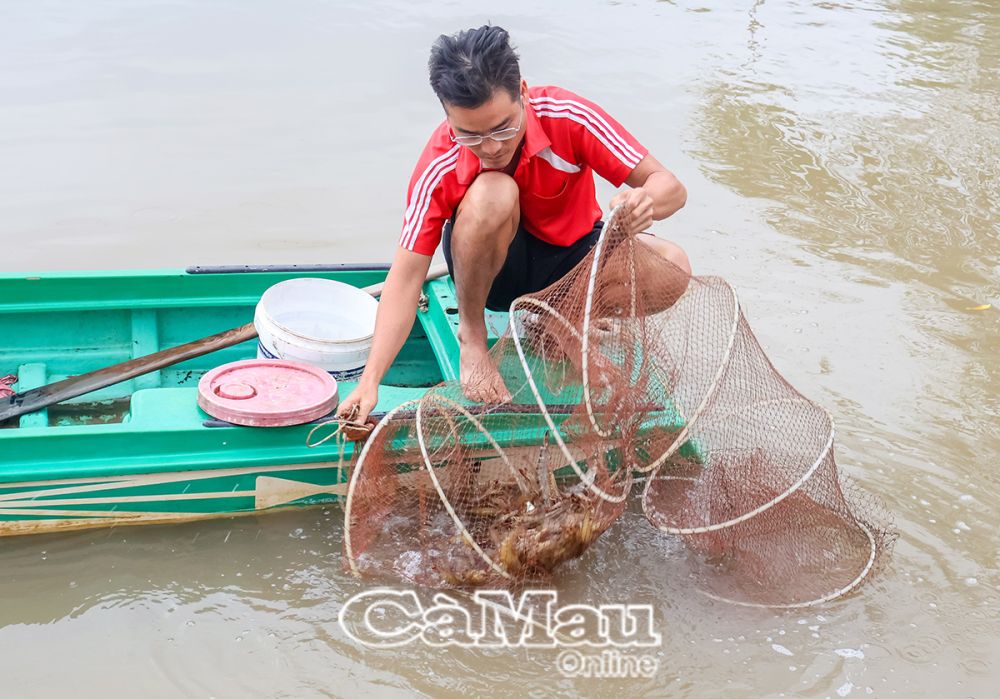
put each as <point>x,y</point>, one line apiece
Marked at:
<point>628,378</point>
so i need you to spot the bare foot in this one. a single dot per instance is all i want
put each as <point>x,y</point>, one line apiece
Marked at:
<point>481,381</point>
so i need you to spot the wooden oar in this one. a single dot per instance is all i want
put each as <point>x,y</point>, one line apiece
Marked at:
<point>44,396</point>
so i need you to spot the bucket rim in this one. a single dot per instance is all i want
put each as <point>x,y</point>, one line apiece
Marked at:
<point>261,312</point>
<point>309,338</point>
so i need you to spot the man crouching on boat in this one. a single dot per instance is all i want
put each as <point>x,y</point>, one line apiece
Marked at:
<point>505,184</point>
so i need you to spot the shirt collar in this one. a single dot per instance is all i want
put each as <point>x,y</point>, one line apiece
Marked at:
<point>535,140</point>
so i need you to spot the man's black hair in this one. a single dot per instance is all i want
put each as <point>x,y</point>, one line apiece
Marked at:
<point>468,67</point>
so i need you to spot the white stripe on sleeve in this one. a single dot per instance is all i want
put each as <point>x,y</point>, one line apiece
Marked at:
<point>629,161</point>
<point>422,192</point>
<point>594,117</point>
<point>412,230</point>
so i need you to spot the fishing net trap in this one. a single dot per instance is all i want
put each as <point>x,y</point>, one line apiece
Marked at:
<point>629,379</point>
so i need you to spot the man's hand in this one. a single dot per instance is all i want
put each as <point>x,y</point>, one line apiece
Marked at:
<point>639,204</point>
<point>362,399</point>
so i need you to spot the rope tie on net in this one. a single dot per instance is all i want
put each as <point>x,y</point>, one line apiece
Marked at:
<point>345,429</point>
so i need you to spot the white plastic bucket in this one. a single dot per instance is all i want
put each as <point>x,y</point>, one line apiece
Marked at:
<point>326,323</point>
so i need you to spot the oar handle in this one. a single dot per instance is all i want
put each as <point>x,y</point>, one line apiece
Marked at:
<point>50,394</point>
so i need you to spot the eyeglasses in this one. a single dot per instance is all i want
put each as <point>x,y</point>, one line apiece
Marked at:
<point>498,135</point>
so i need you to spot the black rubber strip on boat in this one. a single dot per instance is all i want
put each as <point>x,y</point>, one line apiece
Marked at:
<point>333,267</point>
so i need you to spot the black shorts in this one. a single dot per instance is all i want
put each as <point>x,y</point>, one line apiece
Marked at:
<point>531,264</point>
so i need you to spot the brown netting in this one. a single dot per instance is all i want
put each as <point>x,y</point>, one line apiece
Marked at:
<point>625,370</point>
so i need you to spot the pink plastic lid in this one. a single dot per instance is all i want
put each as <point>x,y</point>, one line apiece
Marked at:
<point>267,392</point>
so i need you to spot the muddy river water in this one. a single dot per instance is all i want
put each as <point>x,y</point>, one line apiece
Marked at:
<point>843,167</point>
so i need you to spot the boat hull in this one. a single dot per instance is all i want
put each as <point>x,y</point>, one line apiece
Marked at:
<point>142,451</point>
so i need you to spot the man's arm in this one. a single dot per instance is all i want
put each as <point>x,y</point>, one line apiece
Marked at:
<point>656,193</point>
<point>397,309</point>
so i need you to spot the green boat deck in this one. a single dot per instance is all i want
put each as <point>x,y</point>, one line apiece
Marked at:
<point>142,450</point>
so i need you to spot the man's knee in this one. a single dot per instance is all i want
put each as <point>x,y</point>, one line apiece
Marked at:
<point>491,201</point>
<point>669,251</point>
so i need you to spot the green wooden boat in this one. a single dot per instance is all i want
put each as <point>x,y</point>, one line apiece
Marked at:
<point>142,451</point>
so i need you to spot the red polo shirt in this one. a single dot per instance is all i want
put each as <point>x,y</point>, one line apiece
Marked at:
<point>566,139</point>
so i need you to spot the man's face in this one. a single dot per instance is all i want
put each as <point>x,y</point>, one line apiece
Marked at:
<point>500,112</point>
